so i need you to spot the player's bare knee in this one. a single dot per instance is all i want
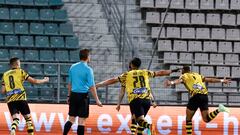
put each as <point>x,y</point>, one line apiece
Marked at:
<point>71,119</point>
<point>205,120</point>
<point>81,121</point>
<point>15,115</point>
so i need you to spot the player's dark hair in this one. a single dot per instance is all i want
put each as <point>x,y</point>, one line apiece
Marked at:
<point>136,62</point>
<point>186,68</point>
<point>13,60</point>
<point>83,54</point>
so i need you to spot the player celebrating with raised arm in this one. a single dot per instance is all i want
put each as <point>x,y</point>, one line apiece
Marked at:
<point>12,87</point>
<point>136,83</point>
<point>194,83</point>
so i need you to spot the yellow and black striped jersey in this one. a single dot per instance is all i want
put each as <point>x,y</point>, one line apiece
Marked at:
<point>13,80</point>
<point>194,83</point>
<point>136,83</point>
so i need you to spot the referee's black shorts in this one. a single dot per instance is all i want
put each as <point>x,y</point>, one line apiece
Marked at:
<point>18,106</point>
<point>198,101</point>
<point>79,105</point>
<point>140,107</point>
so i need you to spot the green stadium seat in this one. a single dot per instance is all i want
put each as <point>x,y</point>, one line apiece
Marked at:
<point>31,55</point>
<point>36,28</point>
<point>72,42</point>
<point>12,2</point>
<point>41,41</point>
<point>74,55</point>
<point>47,94</point>
<point>50,69</point>
<point>66,29</point>
<point>3,67</point>
<point>11,41</point>
<point>2,97</point>
<point>46,14</point>
<point>64,69</point>
<point>2,1</point>
<point>34,69</point>
<point>31,14</point>
<point>60,15</point>
<point>41,2</point>
<point>63,94</point>
<point>46,55</point>
<point>56,3</point>
<point>32,94</point>
<point>4,54</point>
<point>26,41</point>
<point>16,14</point>
<point>16,53</point>
<point>21,28</point>
<point>26,2</point>
<point>27,85</point>
<point>6,28</point>
<point>51,29</point>
<point>64,79</point>
<point>61,56</point>
<point>1,40</point>
<point>4,13</point>
<point>57,42</point>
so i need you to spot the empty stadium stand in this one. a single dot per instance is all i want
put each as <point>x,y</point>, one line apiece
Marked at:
<point>40,34</point>
<point>47,34</point>
<point>204,34</point>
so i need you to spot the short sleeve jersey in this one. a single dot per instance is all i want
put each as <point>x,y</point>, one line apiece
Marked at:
<point>194,83</point>
<point>81,77</point>
<point>13,81</point>
<point>136,83</point>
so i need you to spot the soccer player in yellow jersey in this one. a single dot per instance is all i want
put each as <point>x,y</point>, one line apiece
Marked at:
<point>195,85</point>
<point>12,87</point>
<point>136,83</point>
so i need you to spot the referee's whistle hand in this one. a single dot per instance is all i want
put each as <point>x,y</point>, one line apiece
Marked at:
<point>99,103</point>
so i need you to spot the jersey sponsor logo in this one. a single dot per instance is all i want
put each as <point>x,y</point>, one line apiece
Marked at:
<point>198,87</point>
<point>140,90</point>
<point>15,91</point>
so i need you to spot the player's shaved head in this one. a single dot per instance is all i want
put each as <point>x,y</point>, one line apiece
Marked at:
<point>186,69</point>
<point>13,61</point>
<point>136,62</point>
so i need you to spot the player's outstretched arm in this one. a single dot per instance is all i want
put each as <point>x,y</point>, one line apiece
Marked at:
<point>94,93</point>
<point>37,81</point>
<point>215,80</point>
<point>107,82</point>
<point>168,83</point>
<point>121,95</point>
<point>166,72</point>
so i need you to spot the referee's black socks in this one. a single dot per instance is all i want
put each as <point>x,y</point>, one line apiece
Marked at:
<point>67,127</point>
<point>80,130</point>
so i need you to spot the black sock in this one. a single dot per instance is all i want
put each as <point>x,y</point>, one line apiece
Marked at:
<point>80,130</point>
<point>67,127</point>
